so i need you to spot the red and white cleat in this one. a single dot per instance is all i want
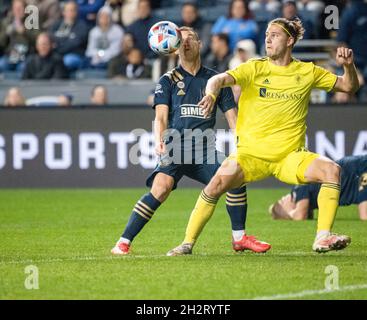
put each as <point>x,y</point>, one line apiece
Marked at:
<point>250,243</point>
<point>121,248</point>
<point>331,242</point>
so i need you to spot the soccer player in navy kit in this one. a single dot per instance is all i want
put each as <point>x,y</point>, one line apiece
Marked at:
<point>177,114</point>
<point>300,203</point>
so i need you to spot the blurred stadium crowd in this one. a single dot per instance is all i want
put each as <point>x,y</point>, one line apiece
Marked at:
<point>107,39</point>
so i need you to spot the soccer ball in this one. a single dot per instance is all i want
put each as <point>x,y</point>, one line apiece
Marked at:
<point>164,37</point>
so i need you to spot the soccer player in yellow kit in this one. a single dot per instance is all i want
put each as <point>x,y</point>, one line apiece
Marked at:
<point>271,129</point>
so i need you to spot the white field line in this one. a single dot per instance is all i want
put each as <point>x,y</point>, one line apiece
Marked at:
<point>55,260</point>
<point>306,293</point>
<point>133,256</point>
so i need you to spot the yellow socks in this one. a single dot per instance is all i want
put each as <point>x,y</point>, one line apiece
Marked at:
<point>328,201</point>
<point>201,214</point>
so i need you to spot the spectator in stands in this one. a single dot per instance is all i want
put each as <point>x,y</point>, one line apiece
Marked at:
<point>70,36</point>
<point>88,10</point>
<point>14,98</point>
<point>290,12</point>
<point>104,41</point>
<point>64,100</point>
<point>353,32</point>
<point>219,56</point>
<point>140,28</point>
<point>191,18</point>
<point>4,8</point>
<point>239,23</point>
<point>49,12</point>
<point>129,12</point>
<point>245,50</point>
<point>134,68</point>
<point>116,7</point>
<point>16,40</point>
<point>45,64</point>
<point>99,96</point>
<point>117,62</point>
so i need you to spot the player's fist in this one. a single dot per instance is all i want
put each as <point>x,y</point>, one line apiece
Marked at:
<point>344,56</point>
<point>207,104</point>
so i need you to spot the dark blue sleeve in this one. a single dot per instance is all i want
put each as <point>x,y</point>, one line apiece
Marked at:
<point>301,192</point>
<point>226,100</point>
<point>162,93</point>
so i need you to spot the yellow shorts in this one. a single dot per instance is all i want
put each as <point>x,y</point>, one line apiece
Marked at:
<point>291,169</point>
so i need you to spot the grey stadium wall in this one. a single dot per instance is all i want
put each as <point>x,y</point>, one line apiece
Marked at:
<point>102,147</point>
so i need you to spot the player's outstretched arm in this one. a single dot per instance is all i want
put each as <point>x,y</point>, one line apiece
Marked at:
<point>362,209</point>
<point>349,81</point>
<point>301,210</point>
<point>212,90</point>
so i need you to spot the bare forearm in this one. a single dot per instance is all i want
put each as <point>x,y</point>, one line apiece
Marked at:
<point>351,78</point>
<point>160,125</point>
<point>218,82</point>
<point>362,209</point>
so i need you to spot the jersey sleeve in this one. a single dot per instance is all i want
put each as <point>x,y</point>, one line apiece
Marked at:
<point>226,100</point>
<point>162,93</point>
<point>242,74</point>
<point>300,192</point>
<point>323,79</point>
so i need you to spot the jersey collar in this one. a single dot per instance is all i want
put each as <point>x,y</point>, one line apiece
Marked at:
<point>180,68</point>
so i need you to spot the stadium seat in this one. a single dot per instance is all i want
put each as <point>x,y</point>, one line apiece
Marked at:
<point>91,74</point>
<point>11,75</point>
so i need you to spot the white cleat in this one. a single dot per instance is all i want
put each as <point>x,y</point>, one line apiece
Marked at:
<point>181,250</point>
<point>121,248</point>
<point>331,242</point>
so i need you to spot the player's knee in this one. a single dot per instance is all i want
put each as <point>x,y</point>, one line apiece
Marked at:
<point>162,190</point>
<point>332,172</point>
<point>216,187</point>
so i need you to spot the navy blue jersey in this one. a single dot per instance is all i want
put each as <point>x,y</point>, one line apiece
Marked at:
<point>181,92</point>
<point>353,183</point>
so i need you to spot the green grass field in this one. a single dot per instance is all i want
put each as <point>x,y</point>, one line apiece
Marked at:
<point>68,235</point>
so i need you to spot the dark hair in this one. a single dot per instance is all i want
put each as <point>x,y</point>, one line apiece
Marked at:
<point>190,4</point>
<point>248,13</point>
<point>294,27</point>
<point>222,36</point>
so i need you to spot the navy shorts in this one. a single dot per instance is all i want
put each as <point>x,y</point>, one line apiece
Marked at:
<point>198,172</point>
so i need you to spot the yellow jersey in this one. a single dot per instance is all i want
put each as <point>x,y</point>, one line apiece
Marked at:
<point>273,106</point>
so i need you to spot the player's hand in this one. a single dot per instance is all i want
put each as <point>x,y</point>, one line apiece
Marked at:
<point>207,104</point>
<point>344,56</point>
<point>160,148</point>
<point>287,203</point>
